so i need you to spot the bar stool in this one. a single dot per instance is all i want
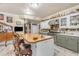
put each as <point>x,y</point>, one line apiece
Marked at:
<point>20,47</point>
<point>25,49</point>
<point>16,44</point>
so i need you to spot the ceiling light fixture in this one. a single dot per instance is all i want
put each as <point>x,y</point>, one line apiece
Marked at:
<point>28,11</point>
<point>34,5</point>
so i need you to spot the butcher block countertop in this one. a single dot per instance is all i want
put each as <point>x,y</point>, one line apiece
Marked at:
<point>33,38</point>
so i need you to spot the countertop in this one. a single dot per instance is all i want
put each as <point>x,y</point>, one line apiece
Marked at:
<point>33,38</point>
<point>76,35</point>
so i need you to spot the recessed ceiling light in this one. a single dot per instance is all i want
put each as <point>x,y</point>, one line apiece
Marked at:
<point>28,11</point>
<point>34,5</point>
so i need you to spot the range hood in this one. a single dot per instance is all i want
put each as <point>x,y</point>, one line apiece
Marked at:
<point>53,22</point>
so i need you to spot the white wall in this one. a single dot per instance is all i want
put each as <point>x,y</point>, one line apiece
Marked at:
<point>5,20</point>
<point>15,18</point>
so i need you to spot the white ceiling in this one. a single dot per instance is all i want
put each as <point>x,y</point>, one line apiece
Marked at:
<point>45,9</point>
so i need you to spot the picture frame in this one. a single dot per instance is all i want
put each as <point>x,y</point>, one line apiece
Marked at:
<point>1,16</point>
<point>18,22</point>
<point>9,19</point>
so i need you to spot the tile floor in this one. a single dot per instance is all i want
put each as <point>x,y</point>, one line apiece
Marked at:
<point>59,51</point>
<point>6,51</point>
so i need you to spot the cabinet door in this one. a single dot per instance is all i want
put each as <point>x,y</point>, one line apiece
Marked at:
<point>63,21</point>
<point>74,20</point>
<point>58,40</point>
<point>72,43</point>
<point>55,39</point>
<point>78,44</point>
<point>45,48</point>
<point>33,47</point>
<point>61,40</point>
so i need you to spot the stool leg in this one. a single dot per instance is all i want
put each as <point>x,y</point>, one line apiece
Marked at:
<point>5,43</point>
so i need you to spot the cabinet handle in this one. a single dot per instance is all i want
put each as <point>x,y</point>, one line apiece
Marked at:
<point>66,39</point>
<point>35,46</point>
<point>78,42</point>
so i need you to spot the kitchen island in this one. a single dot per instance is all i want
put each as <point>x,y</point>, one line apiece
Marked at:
<point>42,45</point>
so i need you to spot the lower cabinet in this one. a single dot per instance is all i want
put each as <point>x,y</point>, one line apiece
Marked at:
<point>78,45</point>
<point>61,41</point>
<point>71,43</point>
<point>68,42</point>
<point>58,40</point>
<point>43,48</point>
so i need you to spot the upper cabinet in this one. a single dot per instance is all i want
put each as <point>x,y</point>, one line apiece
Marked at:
<point>64,21</point>
<point>74,20</point>
<point>68,21</point>
<point>56,21</point>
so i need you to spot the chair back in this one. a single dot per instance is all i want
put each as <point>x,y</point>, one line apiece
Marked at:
<point>16,43</point>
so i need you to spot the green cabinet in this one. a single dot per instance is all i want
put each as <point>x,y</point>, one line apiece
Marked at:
<point>58,40</point>
<point>78,45</point>
<point>61,40</point>
<point>69,42</point>
<point>55,39</point>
